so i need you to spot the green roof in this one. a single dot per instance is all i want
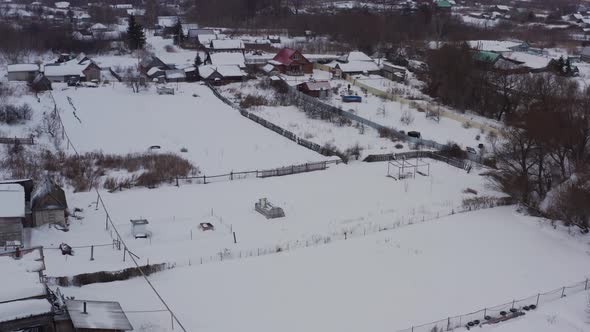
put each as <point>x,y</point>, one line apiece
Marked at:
<point>443,4</point>
<point>486,56</point>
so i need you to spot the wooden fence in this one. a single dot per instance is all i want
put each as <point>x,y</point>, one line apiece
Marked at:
<point>17,140</point>
<point>459,163</point>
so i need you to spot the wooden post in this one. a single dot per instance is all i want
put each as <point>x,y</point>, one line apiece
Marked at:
<point>586,286</point>
<point>124,250</point>
<point>172,320</point>
<point>231,175</point>
<point>204,179</point>
<point>235,241</point>
<point>538,296</point>
<point>563,292</point>
<point>513,304</point>
<point>92,253</point>
<point>106,222</point>
<point>191,234</point>
<point>97,198</point>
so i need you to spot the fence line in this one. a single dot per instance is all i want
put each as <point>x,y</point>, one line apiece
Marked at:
<point>278,129</point>
<point>17,140</point>
<point>459,163</point>
<point>499,313</point>
<point>118,237</point>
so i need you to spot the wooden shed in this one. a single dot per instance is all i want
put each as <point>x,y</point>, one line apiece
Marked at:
<point>48,204</point>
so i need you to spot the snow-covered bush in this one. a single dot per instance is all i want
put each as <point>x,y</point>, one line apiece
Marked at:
<point>407,118</point>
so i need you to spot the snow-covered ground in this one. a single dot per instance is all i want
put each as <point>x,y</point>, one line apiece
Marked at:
<point>116,120</point>
<point>319,131</point>
<point>389,113</point>
<point>383,282</point>
<point>571,314</point>
<point>357,198</point>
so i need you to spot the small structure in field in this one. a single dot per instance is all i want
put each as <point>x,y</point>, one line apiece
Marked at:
<point>403,168</point>
<point>264,207</point>
<point>97,316</point>
<point>139,228</point>
<point>162,90</point>
<point>206,226</point>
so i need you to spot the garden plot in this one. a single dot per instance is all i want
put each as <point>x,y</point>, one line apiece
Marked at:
<point>343,136</point>
<point>405,117</point>
<point>217,138</point>
<point>384,282</point>
<point>357,199</point>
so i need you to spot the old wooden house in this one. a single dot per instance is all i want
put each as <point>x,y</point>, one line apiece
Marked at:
<point>48,204</point>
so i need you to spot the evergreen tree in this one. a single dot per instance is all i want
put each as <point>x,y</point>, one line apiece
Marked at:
<point>198,60</point>
<point>178,34</point>
<point>568,67</point>
<point>135,34</point>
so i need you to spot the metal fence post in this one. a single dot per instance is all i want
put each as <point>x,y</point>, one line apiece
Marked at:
<point>538,296</point>
<point>586,286</point>
<point>563,292</point>
<point>92,252</point>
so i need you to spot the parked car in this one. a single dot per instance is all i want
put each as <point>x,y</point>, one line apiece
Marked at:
<point>471,150</point>
<point>415,134</point>
<point>73,82</point>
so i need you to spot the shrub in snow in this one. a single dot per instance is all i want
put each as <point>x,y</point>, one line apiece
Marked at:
<point>253,101</point>
<point>407,118</point>
<point>11,114</point>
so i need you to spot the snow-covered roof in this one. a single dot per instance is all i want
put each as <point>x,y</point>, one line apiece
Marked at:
<point>355,56</point>
<point>221,59</point>
<point>99,315</point>
<point>268,68</point>
<point>62,4</point>
<point>318,85</point>
<point>227,44</point>
<point>206,39</point>
<point>22,277</point>
<point>225,71</point>
<point>12,201</point>
<point>503,7</point>
<point>230,71</point>
<point>528,60</point>
<point>21,309</point>
<point>167,21</point>
<point>493,45</point>
<point>175,74</point>
<point>357,66</point>
<point>23,67</point>
<point>70,68</point>
<point>198,32</point>
<point>98,26</point>
<point>153,70</point>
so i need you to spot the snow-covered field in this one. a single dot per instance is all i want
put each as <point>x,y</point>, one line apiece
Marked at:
<point>383,282</point>
<point>319,131</point>
<point>356,198</point>
<point>218,138</point>
<point>389,113</point>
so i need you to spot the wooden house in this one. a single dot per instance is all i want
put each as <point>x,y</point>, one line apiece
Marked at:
<point>48,204</point>
<point>291,62</point>
<point>318,89</point>
<point>92,72</point>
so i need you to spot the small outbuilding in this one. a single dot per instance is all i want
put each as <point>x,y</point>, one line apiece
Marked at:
<point>22,72</point>
<point>318,89</point>
<point>94,316</point>
<point>48,204</point>
<point>41,83</point>
<point>264,207</point>
<point>139,228</point>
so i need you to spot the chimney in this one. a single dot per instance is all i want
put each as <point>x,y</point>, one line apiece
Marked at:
<point>84,312</point>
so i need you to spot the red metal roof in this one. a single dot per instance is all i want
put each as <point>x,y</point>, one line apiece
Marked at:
<point>285,56</point>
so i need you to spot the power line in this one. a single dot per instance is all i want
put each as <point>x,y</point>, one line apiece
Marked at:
<point>109,220</point>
